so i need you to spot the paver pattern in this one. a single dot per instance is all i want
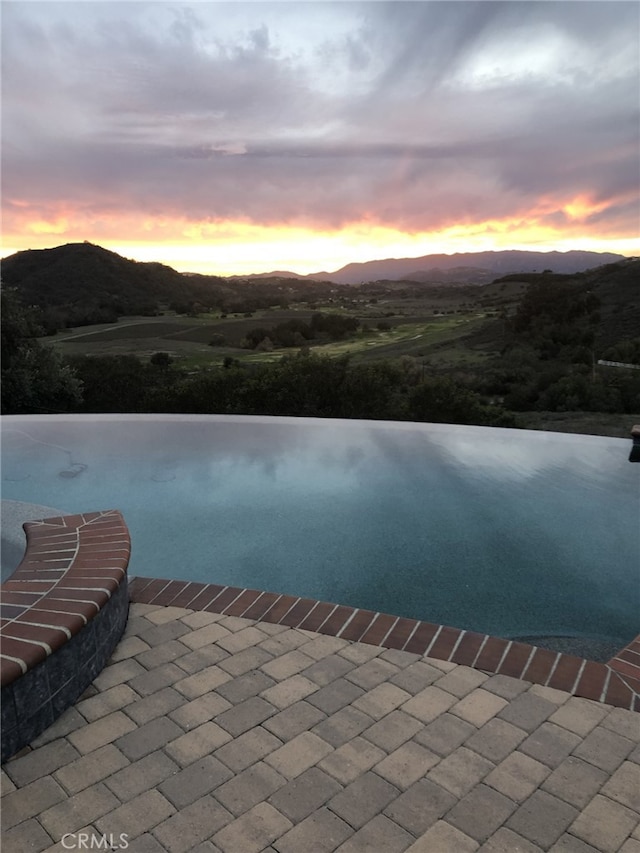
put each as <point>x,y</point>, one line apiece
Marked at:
<point>220,734</point>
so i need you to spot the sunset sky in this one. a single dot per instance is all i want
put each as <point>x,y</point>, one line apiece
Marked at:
<point>247,137</point>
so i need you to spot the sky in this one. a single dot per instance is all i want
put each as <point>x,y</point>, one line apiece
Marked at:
<point>245,137</point>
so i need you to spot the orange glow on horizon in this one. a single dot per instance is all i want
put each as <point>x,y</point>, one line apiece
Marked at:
<point>239,247</point>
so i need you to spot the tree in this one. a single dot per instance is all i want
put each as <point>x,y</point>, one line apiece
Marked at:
<point>34,377</point>
<point>114,383</point>
<point>441,400</point>
<point>218,341</point>
<point>161,360</point>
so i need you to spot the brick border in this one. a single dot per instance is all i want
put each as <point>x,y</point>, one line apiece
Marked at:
<point>615,683</point>
<point>71,567</point>
<point>62,613</point>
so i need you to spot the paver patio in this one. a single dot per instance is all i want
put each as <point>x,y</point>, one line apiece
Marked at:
<point>221,734</point>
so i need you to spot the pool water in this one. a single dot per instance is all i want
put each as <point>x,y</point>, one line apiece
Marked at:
<point>507,532</point>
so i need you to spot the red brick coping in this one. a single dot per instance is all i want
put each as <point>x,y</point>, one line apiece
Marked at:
<point>616,682</point>
<point>71,567</point>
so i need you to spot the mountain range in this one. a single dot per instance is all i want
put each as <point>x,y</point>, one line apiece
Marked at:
<point>464,267</point>
<point>81,283</point>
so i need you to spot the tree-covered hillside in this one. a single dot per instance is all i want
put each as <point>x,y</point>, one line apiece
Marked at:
<point>82,284</point>
<point>533,345</point>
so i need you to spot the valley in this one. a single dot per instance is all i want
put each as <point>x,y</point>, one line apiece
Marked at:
<point>521,350</point>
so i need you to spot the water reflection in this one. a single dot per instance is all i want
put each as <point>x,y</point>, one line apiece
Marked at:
<point>504,531</point>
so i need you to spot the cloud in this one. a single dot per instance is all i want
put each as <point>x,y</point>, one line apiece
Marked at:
<point>412,115</point>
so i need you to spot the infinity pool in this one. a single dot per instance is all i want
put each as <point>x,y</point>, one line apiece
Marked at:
<point>507,532</point>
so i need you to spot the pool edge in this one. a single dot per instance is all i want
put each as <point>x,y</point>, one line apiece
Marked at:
<point>616,682</point>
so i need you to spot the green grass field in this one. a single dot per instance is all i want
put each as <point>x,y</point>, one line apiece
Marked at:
<point>186,339</point>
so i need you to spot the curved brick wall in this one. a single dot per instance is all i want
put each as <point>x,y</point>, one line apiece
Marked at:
<point>62,612</point>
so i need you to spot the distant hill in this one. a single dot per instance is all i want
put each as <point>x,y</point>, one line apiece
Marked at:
<point>455,275</point>
<point>468,264</point>
<point>274,274</point>
<point>81,283</point>
<point>617,286</point>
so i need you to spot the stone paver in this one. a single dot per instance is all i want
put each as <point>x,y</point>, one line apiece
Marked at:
<point>28,835</point>
<point>298,754</point>
<point>416,677</point>
<point>481,812</point>
<point>249,788</point>
<point>250,747</point>
<point>517,776</point>
<point>495,740</point>
<point>461,771</point>
<point>406,764</point>
<point>604,748</point>
<point>542,818</point>
<point>604,824</point>
<point>103,731</point>
<point>195,781</point>
<point>294,720</point>
<point>114,699</point>
<point>327,669</point>
<point>445,734</point>
<point>192,714</point>
<point>216,734</point>
<point>244,686</point>
<point>182,831</point>
<point>624,786</point>
<point>165,653</point>
<point>579,715</point>
<point>393,730</point>
<point>196,743</point>
<point>420,806</point>
<point>148,738</point>
<point>248,714</point>
<point>351,760</point>
<point>442,836</point>
<point>141,775</point>
<point>284,667</point>
<point>363,799</point>
<point>289,691</point>
<point>304,794</point>
<point>91,768</point>
<point>625,723</point>
<point>335,695</point>
<point>33,799</point>
<point>156,705</point>
<point>253,831</point>
<point>43,762</point>
<point>197,659</point>
<point>550,744</point>
<point>478,707</point>
<point>528,711</point>
<point>137,816</point>
<point>342,726</point>
<point>381,700</point>
<point>507,841</point>
<point>200,682</point>
<point>76,811</point>
<point>153,679</point>
<point>575,781</point>
<point>379,834</point>
<point>461,681</point>
<point>429,704</point>
<point>323,831</point>
<point>372,673</point>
